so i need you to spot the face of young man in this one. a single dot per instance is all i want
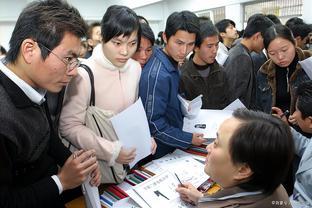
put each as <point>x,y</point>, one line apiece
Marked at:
<point>304,124</point>
<point>96,36</point>
<point>52,73</point>
<point>144,52</point>
<point>230,32</point>
<point>179,45</point>
<point>207,52</point>
<point>119,49</point>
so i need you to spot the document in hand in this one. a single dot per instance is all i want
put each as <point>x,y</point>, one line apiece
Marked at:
<point>157,192</point>
<point>91,194</point>
<point>191,108</point>
<point>206,122</point>
<point>307,66</point>
<point>132,130</point>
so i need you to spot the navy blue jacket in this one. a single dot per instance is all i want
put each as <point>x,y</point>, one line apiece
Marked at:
<point>158,90</point>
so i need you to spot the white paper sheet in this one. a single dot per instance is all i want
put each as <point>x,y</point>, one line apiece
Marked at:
<point>235,105</point>
<point>206,122</point>
<point>191,108</point>
<point>125,203</point>
<point>91,194</point>
<point>132,130</point>
<point>307,66</point>
<point>158,191</point>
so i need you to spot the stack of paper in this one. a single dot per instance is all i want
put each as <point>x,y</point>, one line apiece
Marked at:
<point>158,191</point>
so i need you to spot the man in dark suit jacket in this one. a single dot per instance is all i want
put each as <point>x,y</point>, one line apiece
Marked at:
<point>239,66</point>
<point>43,56</point>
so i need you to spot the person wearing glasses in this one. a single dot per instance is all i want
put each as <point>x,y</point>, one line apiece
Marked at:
<point>116,80</point>
<point>37,170</point>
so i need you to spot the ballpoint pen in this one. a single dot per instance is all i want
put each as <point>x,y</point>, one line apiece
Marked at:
<point>284,114</point>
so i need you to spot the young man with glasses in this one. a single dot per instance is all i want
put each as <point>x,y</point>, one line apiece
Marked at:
<point>42,57</point>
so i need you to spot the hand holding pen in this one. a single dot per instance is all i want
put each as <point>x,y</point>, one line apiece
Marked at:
<point>280,114</point>
<point>188,192</point>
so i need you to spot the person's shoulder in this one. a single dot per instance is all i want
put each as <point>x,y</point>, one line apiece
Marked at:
<point>186,67</point>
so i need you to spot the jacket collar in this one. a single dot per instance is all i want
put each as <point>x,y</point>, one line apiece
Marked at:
<point>160,54</point>
<point>215,67</point>
<point>17,96</point>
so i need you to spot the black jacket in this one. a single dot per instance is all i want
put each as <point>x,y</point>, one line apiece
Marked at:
<point>29,151</point>
<point>214,88</point>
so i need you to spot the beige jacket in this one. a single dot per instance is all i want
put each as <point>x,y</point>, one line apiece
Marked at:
<point>278,198</point>
<point>115,90</point>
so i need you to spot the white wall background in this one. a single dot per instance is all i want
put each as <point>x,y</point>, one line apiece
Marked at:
<point>155,11</point>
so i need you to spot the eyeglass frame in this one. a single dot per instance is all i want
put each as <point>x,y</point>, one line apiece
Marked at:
<point>70,65</point>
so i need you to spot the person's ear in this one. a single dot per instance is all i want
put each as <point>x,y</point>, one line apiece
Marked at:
<point>243,172</point>
<point>310,122</point>
<point>222,34</point>
<point>27,50</point>
<point>257,35</point>
<point>298,40</point>
<point>196,49</point>
<point>164,37</point>
<point>90,42</point>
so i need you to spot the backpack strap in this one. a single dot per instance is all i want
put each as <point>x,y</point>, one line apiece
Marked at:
<point>92,98</point>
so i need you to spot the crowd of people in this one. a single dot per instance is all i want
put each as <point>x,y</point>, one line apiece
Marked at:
<point>46,94</point>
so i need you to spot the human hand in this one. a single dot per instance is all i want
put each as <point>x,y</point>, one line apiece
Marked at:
<point>198,139</point>
<point>292,120</point>
<point>189,193</point>
<point>280,114</point>
<point>154,145</point>
<point>95,177</point>
<point>126,156</point>
<point>76,168</point>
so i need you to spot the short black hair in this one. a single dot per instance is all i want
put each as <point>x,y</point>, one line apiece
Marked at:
<point>301,30</point>
<point>119,20</point>
<point>143,19</point>
<point>274,18</point>
<point>277,31</point>
<point>90,28</point>
<point>45,22</point>
<point>2,49</point>
<point>265,144</point>
<point>147,32</point>
<point>294,21</point>
<point>207,29</point>
<point>184,20</point>
<point>257,23</point>
<point>223,24</point>
<point>204,19</point>
<point>304,99</point>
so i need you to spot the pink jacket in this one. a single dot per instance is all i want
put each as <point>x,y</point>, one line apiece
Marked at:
<point>115,90</point>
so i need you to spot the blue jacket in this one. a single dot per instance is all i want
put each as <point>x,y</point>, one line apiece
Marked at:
<point>158,90</point>
<point>303,184</point>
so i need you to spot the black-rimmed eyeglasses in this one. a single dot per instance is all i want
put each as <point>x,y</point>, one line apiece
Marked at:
<point>70,62</point>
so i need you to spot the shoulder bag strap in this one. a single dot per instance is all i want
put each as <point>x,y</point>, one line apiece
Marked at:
<point>92,98</point>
